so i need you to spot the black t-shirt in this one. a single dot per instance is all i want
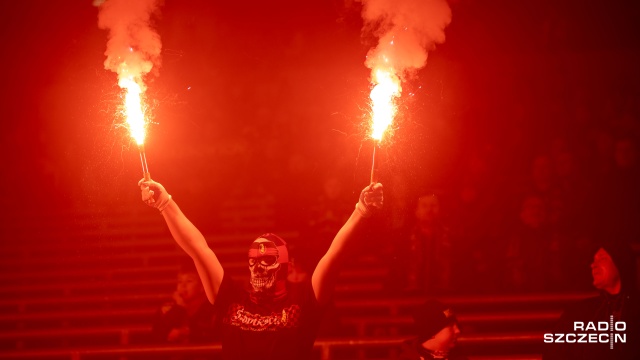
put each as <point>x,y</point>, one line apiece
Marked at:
<point>280,330</point>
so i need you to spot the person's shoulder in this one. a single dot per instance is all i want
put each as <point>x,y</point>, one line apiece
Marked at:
<point>589,302</point>
<point>206,308</point>
<point>303,295</point>
<point>303,284</point>
<point>301,290</point>
<point>230,283</point>
<point>581,307</point>
<point>230,290</point>
<point>408,350</point>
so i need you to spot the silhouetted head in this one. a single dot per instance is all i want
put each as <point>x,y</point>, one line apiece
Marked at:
<point>614,268</point>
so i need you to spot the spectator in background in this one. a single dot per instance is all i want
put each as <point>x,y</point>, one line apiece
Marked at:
<point>622,193</point>
<point>189,318</point>
<point>425,256</point>
<point>326,215</point>
<point>437,332</point>
<point>614,273</point>
<point>476,213</point>
<point>531,258</point>
<point>569,217</point>
<point>298,272</point>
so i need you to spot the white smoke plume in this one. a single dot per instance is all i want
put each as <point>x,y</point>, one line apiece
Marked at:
<point>407,30</point>
<point>133,48</point>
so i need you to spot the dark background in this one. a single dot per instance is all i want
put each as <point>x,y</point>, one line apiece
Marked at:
<point>272,97</point>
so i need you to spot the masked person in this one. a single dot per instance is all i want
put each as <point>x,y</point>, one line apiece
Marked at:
<point>614,275</point>
<point>269,321</point>
<point>437,332</point>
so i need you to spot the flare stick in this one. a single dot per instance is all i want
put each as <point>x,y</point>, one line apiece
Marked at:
<point>143,160</point>
<point>373,163</point>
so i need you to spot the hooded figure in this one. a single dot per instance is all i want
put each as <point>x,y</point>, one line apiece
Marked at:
<point>614,275</point>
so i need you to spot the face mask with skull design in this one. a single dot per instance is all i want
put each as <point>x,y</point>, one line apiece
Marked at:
<point>268,264</point>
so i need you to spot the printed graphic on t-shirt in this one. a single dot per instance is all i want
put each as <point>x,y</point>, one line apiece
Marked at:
<point>245,320</point>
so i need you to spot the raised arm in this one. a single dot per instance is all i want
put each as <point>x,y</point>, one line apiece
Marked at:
<point>325,275</point>
<point>186,235</point>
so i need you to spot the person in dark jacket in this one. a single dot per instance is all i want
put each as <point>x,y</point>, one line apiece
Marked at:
<point>436,327</point>
<point>188,318</point>
<point>614,275</point>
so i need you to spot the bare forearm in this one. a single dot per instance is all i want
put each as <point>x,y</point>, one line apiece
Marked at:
<point>327,271</point>
<point>345,236</point>
<point>183,231</point>
<point>191,240</point>
<point>186,235</point>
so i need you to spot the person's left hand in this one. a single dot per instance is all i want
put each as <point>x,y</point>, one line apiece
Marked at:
<point>154,194</point>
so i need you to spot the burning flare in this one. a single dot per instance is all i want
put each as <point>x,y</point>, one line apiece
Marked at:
<point>132,52</point>
<point>134,109</point>
<point>406,31</point>
<point>383,107</point>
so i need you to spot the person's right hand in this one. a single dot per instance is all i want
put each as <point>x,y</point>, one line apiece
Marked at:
<point>178,299</point>
<point>371,199</point>
<point>154,194</point>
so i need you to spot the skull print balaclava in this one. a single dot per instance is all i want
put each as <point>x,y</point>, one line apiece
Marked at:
<point>268,264</point>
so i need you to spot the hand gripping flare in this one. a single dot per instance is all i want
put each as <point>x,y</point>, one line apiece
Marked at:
<point>154,194</point>
<point>370,200</point>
